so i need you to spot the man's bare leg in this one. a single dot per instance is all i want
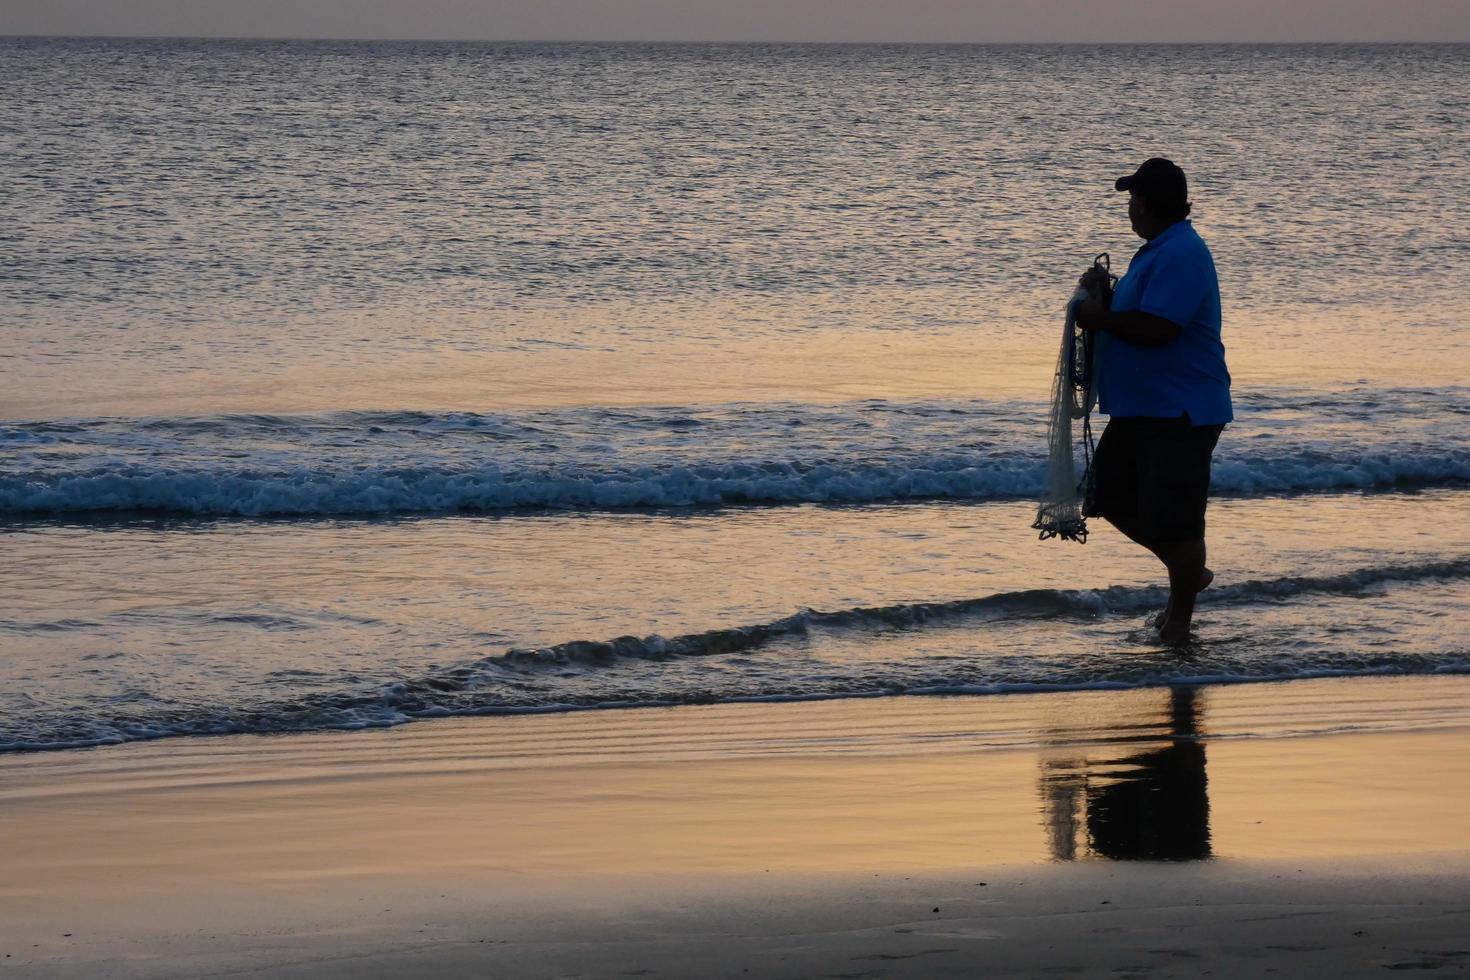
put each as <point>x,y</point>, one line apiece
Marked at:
<point>1205,577</point>
<point>1185,561</point>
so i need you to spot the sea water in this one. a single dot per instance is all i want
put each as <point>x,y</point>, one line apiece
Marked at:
<point>351,383</point>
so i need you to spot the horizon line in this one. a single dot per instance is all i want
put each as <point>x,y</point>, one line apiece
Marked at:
<point>733,42</point>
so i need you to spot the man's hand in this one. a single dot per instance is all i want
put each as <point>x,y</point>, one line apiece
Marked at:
<point>1091,314</point>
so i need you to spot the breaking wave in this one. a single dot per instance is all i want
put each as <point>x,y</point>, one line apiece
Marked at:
<point>383,463</point>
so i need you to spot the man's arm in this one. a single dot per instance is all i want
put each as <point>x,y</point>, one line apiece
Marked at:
<point>1143,329</point>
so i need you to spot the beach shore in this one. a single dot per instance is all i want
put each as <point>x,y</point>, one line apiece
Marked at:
<point>1230,831</point>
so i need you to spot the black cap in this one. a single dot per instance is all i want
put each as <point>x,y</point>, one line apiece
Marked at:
<point>1157,179</point>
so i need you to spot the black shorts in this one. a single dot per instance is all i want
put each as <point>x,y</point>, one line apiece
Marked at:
<point>1152,477</point>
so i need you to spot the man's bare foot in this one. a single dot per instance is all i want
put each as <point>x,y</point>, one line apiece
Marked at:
<point>1174,633</point>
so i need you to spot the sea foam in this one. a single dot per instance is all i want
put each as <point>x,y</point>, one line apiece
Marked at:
<point>424,463</point>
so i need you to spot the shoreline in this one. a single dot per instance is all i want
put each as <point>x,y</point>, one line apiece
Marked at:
<point>782,839</point>
<point>959,693</point>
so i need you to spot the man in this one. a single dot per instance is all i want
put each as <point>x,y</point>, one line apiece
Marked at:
<point>1162,380</point>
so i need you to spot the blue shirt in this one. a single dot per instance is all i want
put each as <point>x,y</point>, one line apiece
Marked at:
<point>1172,276</point>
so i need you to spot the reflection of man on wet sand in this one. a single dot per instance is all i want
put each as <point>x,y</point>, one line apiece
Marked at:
<point>1162,380</point>
<point>1151,806</point>
<point>1159,808</point>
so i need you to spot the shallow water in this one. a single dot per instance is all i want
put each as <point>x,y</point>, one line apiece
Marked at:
<point>347,384</point>
<point>139,629</point>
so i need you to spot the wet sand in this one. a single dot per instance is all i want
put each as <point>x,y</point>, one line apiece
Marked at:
<point>1312,828</point>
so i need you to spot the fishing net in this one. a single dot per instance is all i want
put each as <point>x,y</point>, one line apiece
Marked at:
<point>1073,395</point>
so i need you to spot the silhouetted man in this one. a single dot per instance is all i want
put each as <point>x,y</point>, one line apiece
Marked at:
<point>1162,380</point>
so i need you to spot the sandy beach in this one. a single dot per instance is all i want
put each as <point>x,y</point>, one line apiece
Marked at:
<point>1228,831</point>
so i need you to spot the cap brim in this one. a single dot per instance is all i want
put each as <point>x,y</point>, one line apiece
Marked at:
<point>1124,183</point>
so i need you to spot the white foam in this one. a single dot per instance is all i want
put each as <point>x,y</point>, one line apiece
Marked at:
<point>414,462</point>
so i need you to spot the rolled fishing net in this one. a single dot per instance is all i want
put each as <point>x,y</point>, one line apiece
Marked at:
<point>1073,396</point>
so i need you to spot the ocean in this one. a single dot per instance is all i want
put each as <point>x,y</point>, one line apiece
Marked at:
<point>352,383</point>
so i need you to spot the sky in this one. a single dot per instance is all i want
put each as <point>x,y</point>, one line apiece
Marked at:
<point>755,20</point>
